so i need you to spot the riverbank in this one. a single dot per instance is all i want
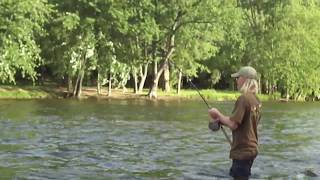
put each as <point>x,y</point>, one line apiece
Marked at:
<point>47,92</point>
<point>28,92</point>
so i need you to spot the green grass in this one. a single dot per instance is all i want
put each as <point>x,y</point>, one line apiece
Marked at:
<point>49,91</point>
<point>215,95</point>
<point>24,92</point>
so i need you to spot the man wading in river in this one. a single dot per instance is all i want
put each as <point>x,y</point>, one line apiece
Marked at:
<point>243,123</point>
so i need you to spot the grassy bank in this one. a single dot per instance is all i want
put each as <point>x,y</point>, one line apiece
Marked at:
<point>40,92</point>
<point>26,92</point>
<point>216,95</point>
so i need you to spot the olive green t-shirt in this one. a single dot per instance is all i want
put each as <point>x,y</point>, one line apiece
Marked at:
<point>246,114</point>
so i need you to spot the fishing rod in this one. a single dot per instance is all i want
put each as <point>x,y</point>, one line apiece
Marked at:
<point>212,126</point>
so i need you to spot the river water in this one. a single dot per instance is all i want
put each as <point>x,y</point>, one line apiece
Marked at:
<point>144,139</point>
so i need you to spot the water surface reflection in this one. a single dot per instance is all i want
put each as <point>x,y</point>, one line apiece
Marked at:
<point>139,139</point>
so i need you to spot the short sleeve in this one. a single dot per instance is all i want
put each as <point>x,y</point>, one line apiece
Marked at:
<point>239,110</point>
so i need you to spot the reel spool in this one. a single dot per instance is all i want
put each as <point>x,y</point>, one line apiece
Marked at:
<point>214,126</point>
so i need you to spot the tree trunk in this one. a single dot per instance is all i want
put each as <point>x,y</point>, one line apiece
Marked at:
<point>70,90</point>
<point>124,89</point>
<point>266,86</point>
<point>166,77</point>
<point>99,84</point>
<point>110,84</point>
<point>287,95</point>
<point>169,51</point>
<point>143,75</point>
<point>154,87</point>
<point>153,90</point>
<point>179,82</point>
<point>135,78</point>
<point>80,84</point>
<point>76,86</point>
<point>155,67</point>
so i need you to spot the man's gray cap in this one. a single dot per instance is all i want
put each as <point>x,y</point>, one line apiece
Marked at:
<point>247,72</point>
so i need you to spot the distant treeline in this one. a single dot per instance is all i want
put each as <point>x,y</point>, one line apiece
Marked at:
<point>161,43</point>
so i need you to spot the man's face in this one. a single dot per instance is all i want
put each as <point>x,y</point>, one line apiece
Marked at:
<point>240,81</point>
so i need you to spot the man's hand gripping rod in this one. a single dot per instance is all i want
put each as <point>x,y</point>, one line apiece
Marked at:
<point>204,100</point>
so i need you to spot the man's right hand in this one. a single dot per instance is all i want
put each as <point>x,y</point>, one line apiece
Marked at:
<point>214,113</point>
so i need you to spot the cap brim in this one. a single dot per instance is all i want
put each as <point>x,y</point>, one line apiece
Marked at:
<point>234,75</point>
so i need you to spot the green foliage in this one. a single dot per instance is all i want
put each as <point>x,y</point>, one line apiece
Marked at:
<point>215,76</point>
<point>291,56</point>
<point>281,39</point>
<point>21,24</point>
<point>233,44</point>
<point>120,74</point>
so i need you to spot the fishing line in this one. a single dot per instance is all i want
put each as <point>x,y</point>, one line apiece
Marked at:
<point>204,100</point>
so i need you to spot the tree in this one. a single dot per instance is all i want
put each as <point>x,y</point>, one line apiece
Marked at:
<point>22,24</point>
<point>73,40</point>
<point>296,45</point>
<point>134,33</point>
<point>179,21</point>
